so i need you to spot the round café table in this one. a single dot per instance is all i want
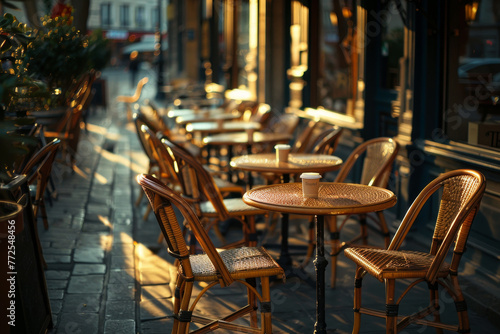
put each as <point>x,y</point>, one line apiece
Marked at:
<point>242,138</point>
<point>231,126</point>
<point>207,117</point>
<point>333,199</point>
<point>297,163</point>
<point>173,113</point>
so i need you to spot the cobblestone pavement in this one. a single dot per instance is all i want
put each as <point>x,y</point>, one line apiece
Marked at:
<point>108,274</point>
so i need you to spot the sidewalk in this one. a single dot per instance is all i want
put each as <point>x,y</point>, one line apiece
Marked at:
<point>107,273</point>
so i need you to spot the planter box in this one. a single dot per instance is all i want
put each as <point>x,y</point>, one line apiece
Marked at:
<point>484,133</point>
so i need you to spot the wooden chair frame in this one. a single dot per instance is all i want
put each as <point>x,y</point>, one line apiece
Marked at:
<point>462,191</point>
<point>162,200</point>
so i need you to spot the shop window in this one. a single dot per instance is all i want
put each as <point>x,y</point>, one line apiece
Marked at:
<point>472,110</point>
<point>336,55</point>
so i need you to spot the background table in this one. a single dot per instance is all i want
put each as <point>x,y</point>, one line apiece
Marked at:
<point>333,199</point>
<point>230,126</point>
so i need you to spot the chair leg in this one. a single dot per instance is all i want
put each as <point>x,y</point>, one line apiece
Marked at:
<point>364,229</point>
<point>252,301</point>
<point>391,309</point>
<point>251,238</point>
<point>434,301</point>
<point>335,242</point>
<point>146,214</point>
<point>177,302</point>
<point>184,315</point>
<point>266,319</point>
<point>44,214</point>
<point>358,279</point>
<point>461,307</point>
<point>139,199</point>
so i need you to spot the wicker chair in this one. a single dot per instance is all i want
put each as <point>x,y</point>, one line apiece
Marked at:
<point>200,189</point>
<point>130,100</point>
<point>377,156</point>
<point>462,191</point>
<point>68,128</point>
<point>38,170</point>
<point>224,267</point>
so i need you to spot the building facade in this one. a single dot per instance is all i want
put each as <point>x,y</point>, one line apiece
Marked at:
<point>424,72</point>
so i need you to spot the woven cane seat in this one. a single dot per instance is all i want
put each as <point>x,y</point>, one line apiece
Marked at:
<point>384,264</point>
<point>244,262</point>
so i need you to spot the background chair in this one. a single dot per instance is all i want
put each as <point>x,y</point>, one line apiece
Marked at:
<point>201,191</point>
<point>224,267</point>
<point>130,100</point>
<point>38,170</point>
<point>376,157</point>
<point>462,191</point>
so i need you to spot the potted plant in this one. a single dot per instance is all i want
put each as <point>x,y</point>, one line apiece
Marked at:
<point>16,90</point>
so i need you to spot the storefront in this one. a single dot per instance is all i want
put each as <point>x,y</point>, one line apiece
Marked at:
<point>426,73</point>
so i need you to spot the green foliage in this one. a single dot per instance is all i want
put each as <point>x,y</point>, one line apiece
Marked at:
<point>58,55</point>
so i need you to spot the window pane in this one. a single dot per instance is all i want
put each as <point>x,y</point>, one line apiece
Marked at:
<point>139,16</point>
<point>105,14</point>
<point>337,28</point>
<point>473,109</point>
<point>124,15</point>
<point>392,43</point>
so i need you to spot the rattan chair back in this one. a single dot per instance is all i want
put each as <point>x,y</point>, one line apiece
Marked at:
<point>378,156</point>
<point>162,200</point>
<point>462,191</point>
<point>196,182</point>
<point>327,141</point>
<point>163,158</point>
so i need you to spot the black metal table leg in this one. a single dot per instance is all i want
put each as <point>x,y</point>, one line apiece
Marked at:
<point>320,264</point>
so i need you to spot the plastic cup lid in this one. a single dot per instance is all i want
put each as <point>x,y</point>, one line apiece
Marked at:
<point>310,176</point>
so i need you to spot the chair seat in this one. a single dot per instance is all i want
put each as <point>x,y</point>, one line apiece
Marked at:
<point>235,206</point>
<point>226,186</point>
<point>391,264</point>
<point>244,262</point>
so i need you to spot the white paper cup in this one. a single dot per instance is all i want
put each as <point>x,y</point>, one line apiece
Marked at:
<point>282,151</point>
<point>310,184</point>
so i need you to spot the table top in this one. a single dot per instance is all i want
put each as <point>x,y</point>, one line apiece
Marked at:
<point>297,163</point>
<point>238,138</point>
<point>172,113</point>
<point>207,117</point>
<point>230,126</point>
<point>333,199</point>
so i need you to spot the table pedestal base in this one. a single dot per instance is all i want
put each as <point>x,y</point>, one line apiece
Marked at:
<point>320,264</point>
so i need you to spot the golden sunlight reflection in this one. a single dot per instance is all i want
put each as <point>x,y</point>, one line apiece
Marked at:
<point>80,172</point>
<point>136,168</point>
<point>100,178</point>
<point>105,221</point>
<point>102,131</point>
